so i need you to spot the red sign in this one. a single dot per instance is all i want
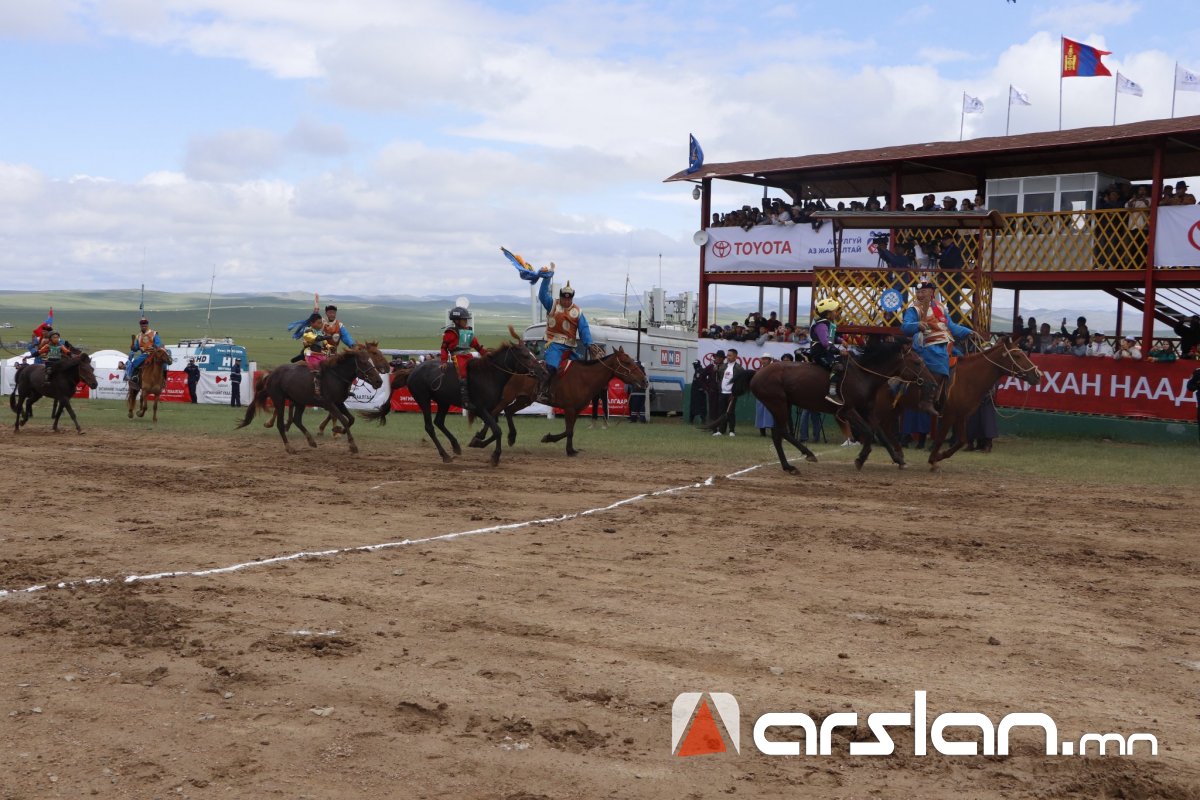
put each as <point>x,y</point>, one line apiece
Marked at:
<point>1121,388</point>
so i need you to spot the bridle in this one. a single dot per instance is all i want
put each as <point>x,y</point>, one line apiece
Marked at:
<point>918,380</point>
<point>1015,370</point>
<point>621,370</point>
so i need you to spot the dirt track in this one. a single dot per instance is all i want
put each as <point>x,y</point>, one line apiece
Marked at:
<point>543,661</point>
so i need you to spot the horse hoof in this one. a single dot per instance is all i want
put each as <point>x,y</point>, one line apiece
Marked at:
<point>791,469</point>
<point>811,458</point>
<point>547,439</point>
<point>512,440</point>
<point>131,415</point>
<point>495,461</point>
<point>458,451</point>
<point>292,451</point>
<point>573,452</point>
<point>353,448</point>
<point>447,460</point>
<point>902,465</point>
<point>858,464</point>
<point>476,443</point>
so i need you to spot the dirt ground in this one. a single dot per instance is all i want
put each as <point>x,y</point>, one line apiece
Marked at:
<point>542,661</point>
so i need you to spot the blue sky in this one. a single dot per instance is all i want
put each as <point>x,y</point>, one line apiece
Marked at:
<point>368,145</point>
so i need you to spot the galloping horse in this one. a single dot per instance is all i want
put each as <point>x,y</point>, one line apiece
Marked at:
<point>520,392</point>
<point>779,386</point>
<point>382,365</point>
<point>577,382</point>
<point>152,381</point>
<point>973,377</point>
<point>434,382</point>
<point>32,386</point>
<point>294,383</point>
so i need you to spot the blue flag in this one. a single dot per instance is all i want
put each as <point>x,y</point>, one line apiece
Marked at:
<point>695,155</point>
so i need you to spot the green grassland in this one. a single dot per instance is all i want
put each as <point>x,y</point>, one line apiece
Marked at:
<point>105,320</point>
<point>1015,461</point>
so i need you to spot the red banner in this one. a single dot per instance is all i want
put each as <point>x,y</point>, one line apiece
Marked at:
<point>1086,385</point>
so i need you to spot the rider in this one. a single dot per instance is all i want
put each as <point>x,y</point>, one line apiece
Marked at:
<point>933,333</point>
<point>566,329</point>
<point>317,345</point>
<point>52,352</point>
<point>457,341</point>
<point>826,348</point>
<point>335,331</point>
<point>40,334</point>
<point>143,342</point>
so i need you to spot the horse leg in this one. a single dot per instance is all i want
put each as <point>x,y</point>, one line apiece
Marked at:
<point>512,429</point>
<point>935,447</point>
<point>66,406</point>
<point>298,421</point>
<point>960,430</point>
<point>155,414</point>
<point>431,433</point>
<point>341,415</point>
<point>130,402</point>
<point>277,419</point>
<point>492,425</point>
<point>571,417</point>
<point>443,409</point>
<point>862,431</point>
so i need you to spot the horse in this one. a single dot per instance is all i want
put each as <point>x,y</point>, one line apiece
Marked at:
<point>32,385</point>
<point>577,382</point>
<point>398,379</point>
<point>781,385</point>
<point>382,365</point>
<point>520,392</point>
<point>152,380</point>
<point>294,383</point>
<point>974,375</point>
<point>436,382</point>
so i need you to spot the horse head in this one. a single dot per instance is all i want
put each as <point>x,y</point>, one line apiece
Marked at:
<point>1015,361</point>
<point>364,363</point>
<point>86,373</point>
<point>628,370</point>
<point>378,359</point>
<point>914,370</point>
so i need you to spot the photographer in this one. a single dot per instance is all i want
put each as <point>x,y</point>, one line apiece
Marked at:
<point>902,257</point>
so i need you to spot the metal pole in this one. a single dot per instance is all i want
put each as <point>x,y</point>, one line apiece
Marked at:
<point>1116,81</point>
<point>705,209</point>
<point>1016,308</point>
<point>1174,87</point>
<point>638,358</point>
<point>1148,290</point>
<point>1061,43</point>
<point>962,115</point>
<point>1120,316</point>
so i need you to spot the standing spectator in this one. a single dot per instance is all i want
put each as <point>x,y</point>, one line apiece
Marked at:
<point>949,204</point>
<point>951,256</point>
<point>637,401</point>
<point>982,426</point>
<point>235,384</point>
<point>1139,216</point>
<point>762,417</point>
<point>1045,339</point>
<point>1128,349</point>
<point>1182,196</point>
<point>1193,385</point>
<point>1081,328</point>
<point>726,372</point>
<point>1099,348</point>
<point>602,400</point>
<point>1189,336</point>
<point>702,386</point>
<point>1080,348</point>
<point>773,323</point>
<point>914,428</point>
<point>193,378</point>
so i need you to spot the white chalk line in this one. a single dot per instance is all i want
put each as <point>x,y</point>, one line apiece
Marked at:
<point>371,548</point>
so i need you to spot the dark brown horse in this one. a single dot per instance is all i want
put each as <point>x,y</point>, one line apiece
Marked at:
<point>382,365</point>
<point>294,383</point>
<point>520,392</point>
<point>32,385</point>
<point>577,382</point>
<point>152,379</point>
<point>973,377</point>
<point>434,382</point>
<point>781,385</point>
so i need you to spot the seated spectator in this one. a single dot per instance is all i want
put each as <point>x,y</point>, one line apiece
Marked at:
<point>949,256</point>
<point>1045,339</point>
<point>928,203</point>
<point>1189,336</point>
<point>1168,197</point>
<point>1128,349</point>
<point>1182,196</point>
<point>1099,347</point>
<point>802,342</point>
<point>1028,344</point>
<point>772,324</point>
<point>949,204</point>
<point>1163,352</point>
<point>978,203</point>
<point>967,205</point>
<point>1061,346</point>
<point>1080,348</point>
<point>909,207</point>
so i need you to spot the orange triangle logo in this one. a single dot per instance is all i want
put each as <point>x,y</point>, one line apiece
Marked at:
<point>704,737</point>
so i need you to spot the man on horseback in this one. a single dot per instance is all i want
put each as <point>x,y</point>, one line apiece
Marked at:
<point>933,334</point>
<point>52,351</point>
<point>826,349</point>
<point>566,329</point>
<point>145,340</point>
<point>317,345</point>
<point>335,332</point>
<point>458,339</point>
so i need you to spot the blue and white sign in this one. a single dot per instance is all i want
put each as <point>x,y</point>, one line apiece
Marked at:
<point>891,300</point>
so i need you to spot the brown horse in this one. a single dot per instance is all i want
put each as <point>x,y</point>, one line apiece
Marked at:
<point>780,386</point>
<point>152,379</point>
<point>32,385</point>
<point>520,392</point>
<point>294,383</point>
<point>382,365</point>
<point>973,377</point>
<point>577,382</point>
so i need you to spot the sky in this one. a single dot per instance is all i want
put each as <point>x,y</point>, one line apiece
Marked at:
<point>371,146</point>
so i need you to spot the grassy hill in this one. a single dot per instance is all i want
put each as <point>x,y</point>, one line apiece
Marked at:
<point>105,319</point>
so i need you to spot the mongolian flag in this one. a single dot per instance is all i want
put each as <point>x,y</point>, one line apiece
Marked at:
<point>1082,60</point>
<point>50,317</point>
<point>526,270</point>
<point>695,155</point>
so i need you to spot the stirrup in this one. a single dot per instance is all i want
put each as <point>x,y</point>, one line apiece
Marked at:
<point>834,397</point>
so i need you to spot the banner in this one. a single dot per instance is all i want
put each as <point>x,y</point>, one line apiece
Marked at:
<point>786,248</point>
<point>1177,238</point>
<point>749,354</point>
<point>1088,385</point>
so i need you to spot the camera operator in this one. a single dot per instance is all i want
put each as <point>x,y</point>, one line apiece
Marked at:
<point>902,257</point>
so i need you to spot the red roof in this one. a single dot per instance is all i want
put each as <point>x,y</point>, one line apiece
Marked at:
<point>1121,150</point>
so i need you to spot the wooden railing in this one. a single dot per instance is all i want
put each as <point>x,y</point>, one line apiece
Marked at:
<point>860,291</point>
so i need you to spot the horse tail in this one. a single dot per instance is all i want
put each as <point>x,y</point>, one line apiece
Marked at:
<point>259,402</point>
<point>12,399</point>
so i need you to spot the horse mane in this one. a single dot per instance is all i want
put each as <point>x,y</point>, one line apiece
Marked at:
<point>878,351</point>
<point>340,358</point>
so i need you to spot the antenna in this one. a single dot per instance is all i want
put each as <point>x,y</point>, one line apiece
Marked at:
<point>208,321</point>
<point>660,270</point>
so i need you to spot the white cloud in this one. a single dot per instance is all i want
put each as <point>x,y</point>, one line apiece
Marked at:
<point>1066,17</point>
<point>43,19</point>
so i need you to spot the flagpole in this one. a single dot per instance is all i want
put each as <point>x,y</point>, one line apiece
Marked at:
<point>1008,118</point>
<point>1061,39</point>
<point>962,115</point>
<point>1116,81</point>
<point>1174,88</point>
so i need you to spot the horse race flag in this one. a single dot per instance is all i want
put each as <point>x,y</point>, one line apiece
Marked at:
<point>972,105</point>
<point>1185,81</point>
<point>526,270</point>
<point>1082,60</point>
<point>695,155</point>
<point>1017,97</point>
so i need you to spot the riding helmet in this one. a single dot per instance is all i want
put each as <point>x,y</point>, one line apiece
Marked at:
<point>827,304</point>
<point>458,312</point>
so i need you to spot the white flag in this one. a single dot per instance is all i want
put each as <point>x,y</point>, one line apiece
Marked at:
<point>972,105</point>
<point>1186,80</point>
<point>1017,98</point>
<point>1126,86</point>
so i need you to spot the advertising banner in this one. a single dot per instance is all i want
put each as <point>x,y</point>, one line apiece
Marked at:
<point>1177,237</point>
<point>1138,389</point>
<point>786,248</point>
<point>749,354</point>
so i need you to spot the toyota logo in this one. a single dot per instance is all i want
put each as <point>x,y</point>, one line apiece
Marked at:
<point>1192,235</point>
<point>720,249</point>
